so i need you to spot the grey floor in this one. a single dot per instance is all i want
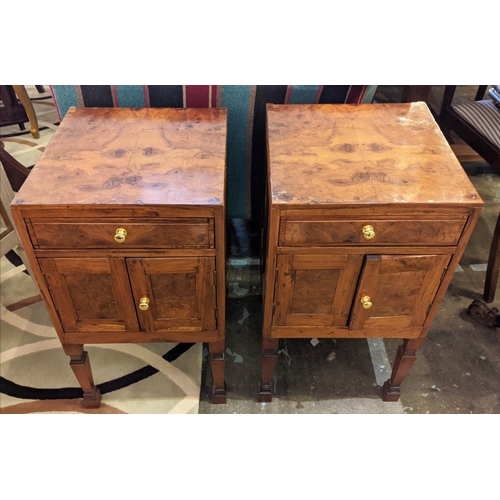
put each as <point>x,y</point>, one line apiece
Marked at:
<point>457,370</point>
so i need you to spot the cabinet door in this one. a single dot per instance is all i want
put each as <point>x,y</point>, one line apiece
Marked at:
<point>315,290</point>
<point>396,292</point>
<point>91,295</point>
<point>180,291</point>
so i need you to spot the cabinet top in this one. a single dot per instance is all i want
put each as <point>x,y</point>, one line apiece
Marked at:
<point>132,156</point>
<point>333,154</point>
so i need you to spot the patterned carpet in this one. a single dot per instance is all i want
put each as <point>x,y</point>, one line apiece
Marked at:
<point>35,375</point>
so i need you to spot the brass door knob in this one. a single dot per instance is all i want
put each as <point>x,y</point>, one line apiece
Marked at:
<point>120,235</point>
<point>144,304</point>
<point>368,232</point>
<point>366,302</point>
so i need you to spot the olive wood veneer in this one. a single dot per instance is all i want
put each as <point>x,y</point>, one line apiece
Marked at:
<point>123,221</point>
<point>368,214</point>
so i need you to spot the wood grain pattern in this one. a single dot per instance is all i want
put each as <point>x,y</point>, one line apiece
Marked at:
<point>91,294</point>
<point>161,175</point>
<point>187,233</point>
<point>123,156</point>
<point>336,332</point>
<point>138,337</point>
<point>333,169</point>
<point>315,290</point>
<point>387,232</point>
<point>181,292</point>
<point>405,358</point>
<point>401,289</point>
<point>80,365</point>
<point>362,154</point>
<point>457,255</point>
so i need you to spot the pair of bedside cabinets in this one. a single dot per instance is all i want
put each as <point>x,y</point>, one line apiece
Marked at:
<point>123,221</point>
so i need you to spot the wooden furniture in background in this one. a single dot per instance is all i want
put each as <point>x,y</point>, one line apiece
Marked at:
<point>16,172</point>
<point>369,214</point>
<point>123,220</point>
<point>30,111</point>
<point>478,124</point>
<point>12,112</point>
<point>9,240</point>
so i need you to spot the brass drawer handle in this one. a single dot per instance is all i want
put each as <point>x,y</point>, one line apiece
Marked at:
<point>368,232</point>
<point>120,235</point>
<point>366,302</point>
<point>144,304</point>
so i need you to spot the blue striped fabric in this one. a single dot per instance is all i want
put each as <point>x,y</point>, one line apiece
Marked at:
<point>369,94</point>
<point>236,98</point>
<point>130,96</point>
<point>65,96</point>
<point>303,94</point>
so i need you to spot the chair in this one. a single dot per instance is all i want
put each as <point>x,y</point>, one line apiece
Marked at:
<point>478,124</point>
<point>15,172</point>
<point>13,112</point>
<point>9,240</point>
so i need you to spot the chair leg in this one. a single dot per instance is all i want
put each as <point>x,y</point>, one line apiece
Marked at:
<point>30,111</point>
<point>445,126</point>
<point>480,92</point>
<point>493,265</point>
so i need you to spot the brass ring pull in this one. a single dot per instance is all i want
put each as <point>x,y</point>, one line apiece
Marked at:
<point>368,232</point>
<point>366,302</point>
<point>144,304</point>
<point>120,235</point>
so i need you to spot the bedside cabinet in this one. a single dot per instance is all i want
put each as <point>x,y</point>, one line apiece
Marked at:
<point>368,215</point>
<point>123,222</point>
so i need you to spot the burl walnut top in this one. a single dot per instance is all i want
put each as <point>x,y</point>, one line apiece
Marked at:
<point>359,154</point>
<point>126,156</point>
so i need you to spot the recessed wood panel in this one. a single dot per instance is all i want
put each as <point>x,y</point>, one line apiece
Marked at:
<point>181,293</point>
<point>91,295</point>
<point>174,295</point>
<point>397,292</point>
<point>315,290</point>
<point>401,289</point>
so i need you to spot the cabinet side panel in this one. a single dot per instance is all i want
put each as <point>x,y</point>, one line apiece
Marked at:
<point>22,231</point>
<point>466,234</point>
<point>220,267</point>
<point>272,241</point>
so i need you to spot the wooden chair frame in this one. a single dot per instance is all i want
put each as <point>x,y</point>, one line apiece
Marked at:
<point>450,120</point>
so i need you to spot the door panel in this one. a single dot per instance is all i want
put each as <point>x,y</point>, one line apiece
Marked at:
<point>400,289</point>
<point>91,295</point>
<point>181,293</point>
<point>175,295</point>
<point>315,290</point>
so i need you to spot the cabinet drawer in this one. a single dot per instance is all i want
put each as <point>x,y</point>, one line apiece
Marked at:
<point>164,233</point>
<point>370,232</point>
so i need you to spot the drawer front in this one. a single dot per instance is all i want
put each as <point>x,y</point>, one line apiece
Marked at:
<point>171,233</point>
<point>370,232</point>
